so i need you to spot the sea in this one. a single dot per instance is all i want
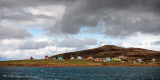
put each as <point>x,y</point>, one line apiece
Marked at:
<point>79,73</point>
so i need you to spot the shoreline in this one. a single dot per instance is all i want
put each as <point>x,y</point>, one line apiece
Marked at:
<point>53,65</point>
<point>74,63</point>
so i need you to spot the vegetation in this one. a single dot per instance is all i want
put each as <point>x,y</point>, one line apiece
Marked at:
<point>113,51</point>
<point>49,61</point>
<point>70,63</point>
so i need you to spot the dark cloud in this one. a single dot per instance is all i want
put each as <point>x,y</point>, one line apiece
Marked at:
<point>90,41</point>
<point>31,3</point>
<point>121,17</point>
<point>8,33</point>
<point>17,9</point>
<point>32,45</point>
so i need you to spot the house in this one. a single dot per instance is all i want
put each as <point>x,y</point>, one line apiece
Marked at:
<point>139,60</point>
<point>46,57</point>
<point>116,59</point>
<point>54,58</point>
<point>153,60</point>
<point>72,57</point>
<point>97,59</point>
<point>108,59</point>
<point>79,57</point>
<point>60,58</point>
<point>104,60</point>
<point>31,58</point>
<point>90,57</point>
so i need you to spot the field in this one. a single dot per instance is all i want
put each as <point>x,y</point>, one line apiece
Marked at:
<point>72,63</point>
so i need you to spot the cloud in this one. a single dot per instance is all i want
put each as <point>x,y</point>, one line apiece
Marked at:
<point>156,43</point>
<point>39,47</point>
<point>121,18</point>
<point>31,3</point>
<point>11,44</point>
<point>35,43</point>
<point>64,17</point>
<point>21,16</point>
<point>8,33</point>
<point>36,53</point>
<point>134,19</point>
<point>145,41</point>
<point>77,43</point>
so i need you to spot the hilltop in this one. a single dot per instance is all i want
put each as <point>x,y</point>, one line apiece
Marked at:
<point>112,51</point>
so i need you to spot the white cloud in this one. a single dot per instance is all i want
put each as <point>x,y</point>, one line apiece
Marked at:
<point>102,43</point>
<point>36,53</point>
<point>141,40</point>
<point>39,47</point>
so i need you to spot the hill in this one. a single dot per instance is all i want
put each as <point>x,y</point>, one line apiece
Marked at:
<point>112,51</point>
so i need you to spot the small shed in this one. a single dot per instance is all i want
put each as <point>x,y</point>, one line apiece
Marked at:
<point>79,57</point>
<point>104,60</point>
<point>54,58</point>
<point>90,57</point>
<point>46,57</point>
<point>108,59</point>
<point>116,59</point>
<point>139,60</point>
<point>31,58</point>
<point>96,59</point>
<point>72,57</point>
<point>153,60</point>
<point>60,58</point>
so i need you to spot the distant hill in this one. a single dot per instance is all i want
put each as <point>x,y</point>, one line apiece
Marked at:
<point>112,51</point>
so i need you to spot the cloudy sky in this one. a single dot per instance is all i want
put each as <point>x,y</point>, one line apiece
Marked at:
<point>48,27</point>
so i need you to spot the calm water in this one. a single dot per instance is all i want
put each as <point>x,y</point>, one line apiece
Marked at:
<point>80,73</point>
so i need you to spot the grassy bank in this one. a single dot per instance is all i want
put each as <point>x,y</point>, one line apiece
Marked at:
<point>71,63</point>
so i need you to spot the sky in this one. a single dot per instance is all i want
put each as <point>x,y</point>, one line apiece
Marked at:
<point>48,27</point>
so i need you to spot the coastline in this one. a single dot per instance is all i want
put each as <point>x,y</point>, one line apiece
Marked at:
<point>73,63</point>
<point>58,65</point>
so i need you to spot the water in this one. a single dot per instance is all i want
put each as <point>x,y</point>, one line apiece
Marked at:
<point>79,73</point>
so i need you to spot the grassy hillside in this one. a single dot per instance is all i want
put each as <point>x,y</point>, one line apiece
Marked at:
<point>112,51</point>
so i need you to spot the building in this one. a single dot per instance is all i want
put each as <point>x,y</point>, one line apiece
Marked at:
<point>116,59</point>
<point>54,58</point>
<point>139,60</point>
<point>79,57</point>
<point>72,57</point>
<point>90,57</point>
<point>46,57</point>
<point>31,58</point>
<point>60,58</point>
<point>153,60</point>
<point>97,59</point>
<point>108,59</point>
